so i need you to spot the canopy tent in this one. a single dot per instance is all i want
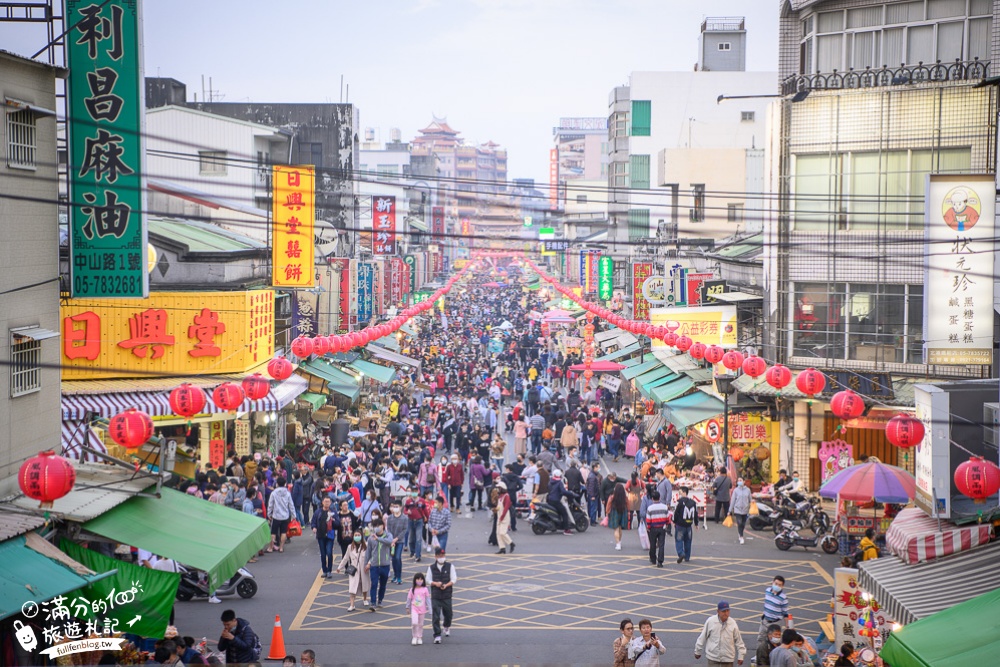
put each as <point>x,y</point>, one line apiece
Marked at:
<point>693,408</point>
<point>35,570</point>
<point>388,342</point>
<point>382,374</point>
<point>598,367</point>
<point>909,593</point>
<point>189,530</point>
<point>315,400</point>
<point>916,537</point>
<point>654,374</point>
<point>966,634</point>
<point>624,352</point>
<point>628,363</point>
<point>505,326</point>
<point>392,357</point>
<point>638,368</point>
<point>677,387</point>
<point>336,379</point>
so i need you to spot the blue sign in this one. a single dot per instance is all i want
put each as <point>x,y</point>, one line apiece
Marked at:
<point>366,292</point>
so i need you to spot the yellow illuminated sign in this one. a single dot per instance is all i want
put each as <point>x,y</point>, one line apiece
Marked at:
<point>293,222</point>
<point>711,325</point>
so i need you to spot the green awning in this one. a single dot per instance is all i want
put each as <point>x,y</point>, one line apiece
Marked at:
<point>628,363</point>
<point>652,375</point>
<point>389,342</point>
<point>315,400</point>
<point>636,369</point>
<point>26,574</point>
<point>375,371</point>
<point>408,330</point>
<point>691,409</point>
<point>213,538</point>
<point>647,389</point>
<point>966,634</point>
<point>624,352</point>
<point>671,390</point>
<point>336,379</point>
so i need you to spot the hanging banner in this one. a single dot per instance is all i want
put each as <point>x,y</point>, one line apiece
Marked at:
<point>293,221</point>
<point>342,266</point>
<point>959,251</point>
<point>554,179</point>
<point>411,264</point>
<point>848,606</point>
<point>396,275</point>
<point>834,456</point>
<point>640,306</point>
<point>605,277</point>
<point>106,108</point>
<point>711,325</point>
<point>437,223</point>
<point>588,270</point>
<point>366,287</point>
<point>384,225</point>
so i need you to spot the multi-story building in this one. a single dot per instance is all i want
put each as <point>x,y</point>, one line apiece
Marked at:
<point>680,156</point>
<point>29,264</point>
<point>880,99</point>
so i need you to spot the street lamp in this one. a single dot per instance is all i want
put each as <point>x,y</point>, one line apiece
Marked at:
<point>724,384</point>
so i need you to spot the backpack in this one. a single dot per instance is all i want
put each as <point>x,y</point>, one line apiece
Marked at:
<point>533,394</point>
<point>256,648</point>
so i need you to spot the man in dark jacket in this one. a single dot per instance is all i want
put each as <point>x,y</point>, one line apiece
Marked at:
<point>573,478</point>
<point>557,491</point>
<point>513,482</point>
<point>238,640</point>
<point>594,493</point>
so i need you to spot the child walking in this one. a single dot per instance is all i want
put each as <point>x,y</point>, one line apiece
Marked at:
<point>418,601</point>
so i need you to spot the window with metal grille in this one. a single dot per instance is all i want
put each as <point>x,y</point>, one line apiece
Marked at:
<point>21,146</point>
<point>638,224</point>
<point>212,163</point>
<point>25,373</point>
<point>639,171</point>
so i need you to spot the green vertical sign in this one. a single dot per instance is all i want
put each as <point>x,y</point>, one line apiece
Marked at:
<point>105,121</point>
<point>605,277</point>
<point>411,262</point>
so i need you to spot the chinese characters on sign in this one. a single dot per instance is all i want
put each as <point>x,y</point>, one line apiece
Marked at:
<point>342,269</point>
<point>849,605</point>
<point>748,427</point>
<point>383,225</point>
<point>214,332</point>
<point>555,246</point>
<point>105,102</point>
<point>588,270</point>
<point>640,306</point>
<point>293,220</point>
<point>958,301</point>
<point>711,325</point>
<point>554,179</point>
<point>605,277</point>
<point>437,223</point>
<point>366,288</point>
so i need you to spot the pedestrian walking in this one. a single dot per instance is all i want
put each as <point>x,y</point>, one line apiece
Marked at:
<point>685,515</point>
<point>657,518</point>
<point>502,509</point>
<point>378,561</point>
<point>280,509</point>
<point>353,563</point>
<point>440,523</point>
<point>775,606</point>
<point>740,507</point>
<point>324,527</point>
<point>721,488</point>
<point>646,648</point>
<point>443,577</point>
<point>620,646</point>
<point>418,602</point>
<point>399,526</point>
<point>720,640</point>
<point>617,512</point>
<point>454,478</point>
<point>416,511</point>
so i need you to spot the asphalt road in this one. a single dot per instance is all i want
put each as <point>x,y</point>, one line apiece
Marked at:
<point>557,600</point>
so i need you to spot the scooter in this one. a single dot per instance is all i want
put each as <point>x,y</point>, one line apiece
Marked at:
<point>807,512</point>
<point>789,537</point>
<point>547,518</point>
<point>194,584</point>
<point>767,510</point>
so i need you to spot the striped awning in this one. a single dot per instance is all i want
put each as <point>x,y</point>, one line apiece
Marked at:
<point>909,593</point>
<point>157,404</point>
<point>76,433</point>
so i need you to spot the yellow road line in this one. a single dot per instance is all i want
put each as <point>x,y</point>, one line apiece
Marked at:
<point>823,573</point>
<point>306,604</point>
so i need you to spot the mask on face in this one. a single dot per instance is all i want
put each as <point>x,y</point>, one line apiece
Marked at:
<point>775,640</point>
<point>379,531</point>
<point>396,511</point>
<point>776,587</point>
<point>357,538</point>
<point>420,583</point>
<point>440,561</point>
<point>797,649</point>
<point>739,483</point>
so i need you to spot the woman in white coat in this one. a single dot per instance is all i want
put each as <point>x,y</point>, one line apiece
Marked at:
<point>358,583</point>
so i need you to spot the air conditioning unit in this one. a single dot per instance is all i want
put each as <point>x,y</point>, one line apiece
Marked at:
<point>991,423</point>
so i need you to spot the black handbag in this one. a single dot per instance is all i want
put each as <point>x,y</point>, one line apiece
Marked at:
<point>350,570</point>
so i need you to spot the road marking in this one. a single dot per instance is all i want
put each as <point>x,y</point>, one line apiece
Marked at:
<point>307,604</point>
<point>823,573</point>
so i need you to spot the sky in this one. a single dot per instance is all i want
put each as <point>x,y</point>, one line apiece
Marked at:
<point>500,70</point>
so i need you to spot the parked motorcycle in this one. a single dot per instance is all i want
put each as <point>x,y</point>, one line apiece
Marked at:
<point>547,518</point>
<point>789,537</point>
<point>194,585</point>
<point>808,512</point>
<point>767,510</point>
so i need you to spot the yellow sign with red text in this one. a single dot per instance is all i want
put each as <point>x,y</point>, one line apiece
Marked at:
<point>293,221</point>
<point>177,333</point>
<point>711,325</point>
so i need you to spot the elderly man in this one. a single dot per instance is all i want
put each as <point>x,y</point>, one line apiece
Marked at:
<point>720,640</point>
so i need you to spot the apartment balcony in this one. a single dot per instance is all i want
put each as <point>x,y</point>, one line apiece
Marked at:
<point>887,77</point>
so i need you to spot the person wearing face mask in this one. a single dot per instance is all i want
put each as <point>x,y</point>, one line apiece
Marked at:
<point>378,560</point>
<point>454,477</point>
<point>775,606</point>
<point>399,525</point>
<point>739,506</point>
<point>784,655</point>
<point>357,583</point>
<point>369,506</point>
<point>794,489</point>
<point>764,648</point>
<point>443,577</point>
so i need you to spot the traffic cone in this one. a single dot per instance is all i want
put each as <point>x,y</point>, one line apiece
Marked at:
<point>277,651</point>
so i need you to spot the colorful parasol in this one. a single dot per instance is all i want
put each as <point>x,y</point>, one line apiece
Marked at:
<point>872,480</point>
<point>598,367</point>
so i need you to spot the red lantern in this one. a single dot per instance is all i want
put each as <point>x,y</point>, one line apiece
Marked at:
<point>810,382</point>
<point>714,354</point>
<point>670,339</point>
<point>228,396</point>
<point>187,400</point>
<point>336,344</point>
<point>847,405</point>
<point>778,376</point>
<point>697,351</point>
<point>737,453</point>
<point>683,343</point>
<point>754,366</point>
<point>131,428</point>
<point>732,360</point>
<point>279,368</point>
<point>321,345</point>
<point>587,374</point>
<point>256,387</point>
<point>904,431</point>
<point>302,347</point>
<point>46,477</point>
<point>977,478</point>
<point>650,406</point>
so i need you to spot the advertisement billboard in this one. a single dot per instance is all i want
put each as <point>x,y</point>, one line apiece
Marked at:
<point>383,225</point>
<point>605,277</point>
<point>640,306</point>
<point>437,223</point>
<point>293,219</point>
<point>366,291</point>
<point>711,325</point>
